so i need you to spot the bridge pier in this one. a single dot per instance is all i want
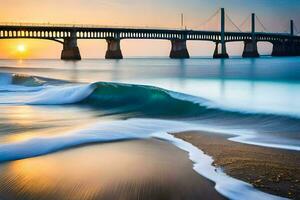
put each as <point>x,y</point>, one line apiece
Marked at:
<point>222,53</point>
<point>278,49</point>
<point>291,48</point>
<point>113,49</point>
<point>297,48</point>
<point>250,49</point>
<point>70,50</point>
<point>284,48</point>
<point>179,49</point>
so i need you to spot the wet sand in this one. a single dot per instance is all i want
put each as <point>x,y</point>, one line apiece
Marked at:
<point>139,169</point>
<point>271,170</point>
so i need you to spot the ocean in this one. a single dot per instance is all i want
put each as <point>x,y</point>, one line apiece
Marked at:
<point>48,106</point>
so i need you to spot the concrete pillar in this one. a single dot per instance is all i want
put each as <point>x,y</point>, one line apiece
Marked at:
<point>222,53</point>
<point>253,25</point>
<point>250,46</point>
<point>70,50</point>
<point>179,49</point>
<point>292,27</point>
<point>250,49</point>
<point>291,48</point>
<point>113,49</point>
<point>297,48</point>
<point>223,47</point>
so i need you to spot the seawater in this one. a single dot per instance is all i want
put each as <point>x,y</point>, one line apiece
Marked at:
<point>50,105</point>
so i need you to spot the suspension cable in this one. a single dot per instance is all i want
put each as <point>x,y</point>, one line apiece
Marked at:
<point>285,28</point>
<point>210,18</point>
<point>233,23</point>
<point>296,29</point>
<point>244,22</point>
<point>263,26</point>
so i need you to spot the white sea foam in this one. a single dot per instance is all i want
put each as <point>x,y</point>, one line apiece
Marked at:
<point>58,95</point>
<point>45,95</point>
<point>229,187</point>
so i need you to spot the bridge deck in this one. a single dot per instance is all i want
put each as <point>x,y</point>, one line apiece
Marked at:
<point>60,31</point>
<point>283,44</point>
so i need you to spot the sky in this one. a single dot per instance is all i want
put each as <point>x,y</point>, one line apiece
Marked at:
<point>275,15</point>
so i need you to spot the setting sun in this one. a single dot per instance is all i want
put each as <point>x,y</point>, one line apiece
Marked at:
<point>21,48</point>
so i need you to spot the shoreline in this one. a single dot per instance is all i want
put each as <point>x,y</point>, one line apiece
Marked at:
<point>274,171</point>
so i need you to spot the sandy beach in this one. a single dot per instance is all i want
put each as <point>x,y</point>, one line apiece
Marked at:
<point>271,170</point>
<point>138,169</point>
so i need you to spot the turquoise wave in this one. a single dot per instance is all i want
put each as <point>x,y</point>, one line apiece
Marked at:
<point>135,101</point>
<point>141,100</point>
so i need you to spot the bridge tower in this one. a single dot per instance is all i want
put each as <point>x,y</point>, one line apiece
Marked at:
<point>178,45</point>
<point>250,46</point>
<point>223,53</point>
<point>294,49</point>
<point>295,44</point>
<point>70,49</point>
<point>292,27</point>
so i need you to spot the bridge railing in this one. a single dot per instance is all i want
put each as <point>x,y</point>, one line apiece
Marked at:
<point>25,24</point>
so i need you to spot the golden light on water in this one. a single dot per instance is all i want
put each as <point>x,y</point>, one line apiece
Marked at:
<point>23,115</point>
<point>39,121</point>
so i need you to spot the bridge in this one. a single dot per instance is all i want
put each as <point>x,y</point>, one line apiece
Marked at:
<point>284,44</point>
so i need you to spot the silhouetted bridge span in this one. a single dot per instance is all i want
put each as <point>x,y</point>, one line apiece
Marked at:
<point>283,44</point>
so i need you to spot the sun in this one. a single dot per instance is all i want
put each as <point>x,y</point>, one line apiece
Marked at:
<point>21,48</point>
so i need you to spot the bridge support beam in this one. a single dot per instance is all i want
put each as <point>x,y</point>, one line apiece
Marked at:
<point>279,49</point>
<point>297,48</point>
<point>179,49</point>
<point>113,49</point>
<point>70,50</point>
<point>285,48</point>
<point>250,49</point>
<point>291,48</point>
<point>220,51</point>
